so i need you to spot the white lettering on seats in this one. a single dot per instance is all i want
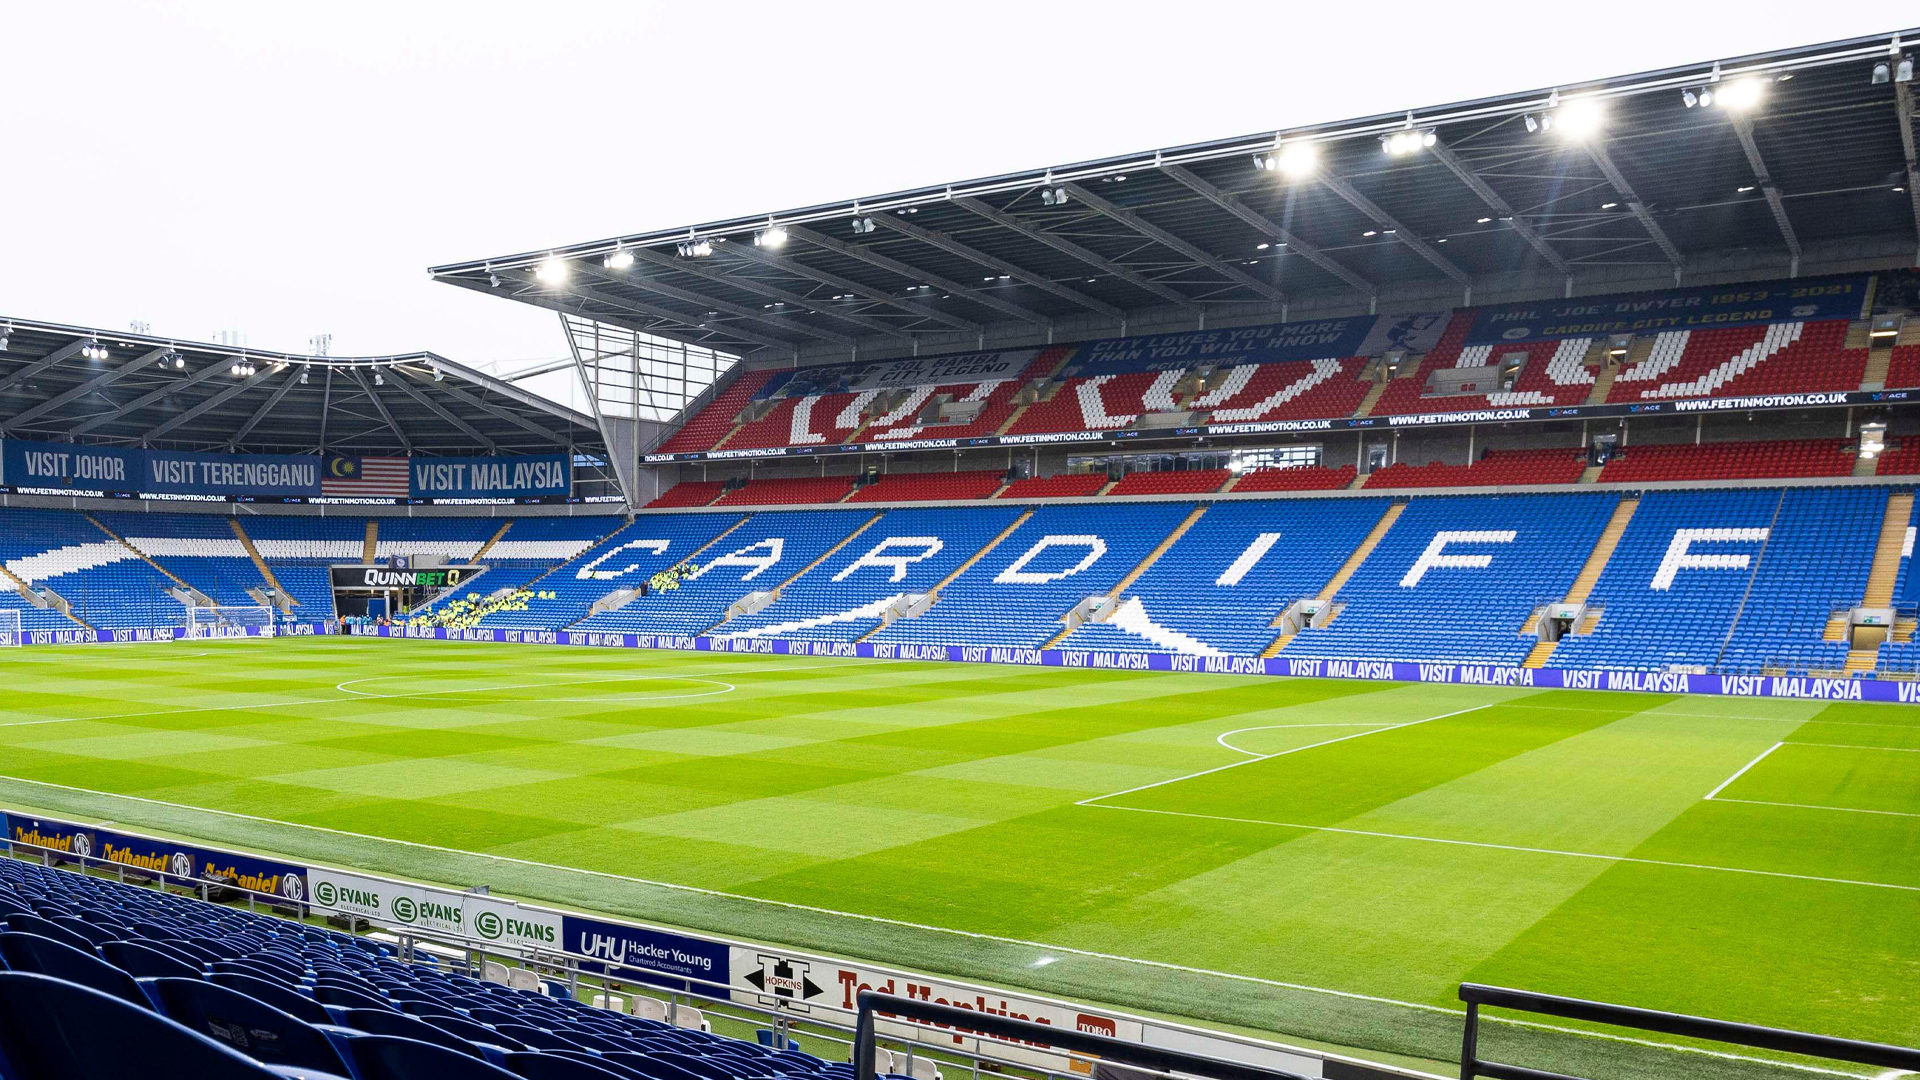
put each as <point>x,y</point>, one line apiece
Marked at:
<point>1433,558</point>
<point>592,571</point>
<point>1017,574</point>
<point>772,545</point>
<point>929,547</point>
<point>800,431</point>
<point>1322,371</point>
<point>1248,559</point>
<point>1679,557</point>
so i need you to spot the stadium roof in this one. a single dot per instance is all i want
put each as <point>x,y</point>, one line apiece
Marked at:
<point>1765,165</point>
<point>151,391</point>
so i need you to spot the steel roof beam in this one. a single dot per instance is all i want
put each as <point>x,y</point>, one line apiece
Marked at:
<point>509,416</point>
<point>1444,155</point>
<point>1352,197</point>
<point>267,406</point>
<point>146,399</point>
<point>216,400</point>
<point>381,407</point>
<point>641,307</point>
<point>326,410</point>
<point>914,273</point>
<point>1743,127</point>
<point>799,269</point>
<point>760,288</point>
<point>741,311</point>
<point>1068,247</point>
<point>951,246</point>
<point>404,381</point>
<point>1597,149</point>
<point>96,383</point>
<point>1232,204</point>
<point>1903,111</point>
<point>35,367</point>
<point>1158,235</point>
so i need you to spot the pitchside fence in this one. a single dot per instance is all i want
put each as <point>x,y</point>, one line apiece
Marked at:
<point>9,627</point>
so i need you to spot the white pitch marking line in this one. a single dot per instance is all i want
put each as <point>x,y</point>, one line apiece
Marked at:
<point>1744,768</point>
<point>1222,737</point>
<point>1857,746</point>
<point>1283,753</point>
<point>881,919</point>
<point>1816,806</point>
<point>1515,847</point>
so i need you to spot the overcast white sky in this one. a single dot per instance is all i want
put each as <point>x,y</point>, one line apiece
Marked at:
<point>285,169</point>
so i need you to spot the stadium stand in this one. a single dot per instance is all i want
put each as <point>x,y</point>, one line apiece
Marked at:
<point>761,555</point>
<point>705,429</point>
<point>1729,461</point>
<point>1063,486</point>
<point>454,538</point>
<point>108,584</point>
<point>200,549</point>
<point>208,990</point>
<point>1191,482</point>
<point>931,486</point>
<point>626,559</point>
<point>1019,592</point>
<point>788,491</point>
<point>1296,478</point>
<point>1774,358</point>
<point>1496,468</point>
<point>1221,586</point>
<point>1456,578</point>
<point>906,553</point>
<point>688,493</point>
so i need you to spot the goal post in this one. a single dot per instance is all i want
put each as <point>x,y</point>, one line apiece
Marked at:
<point>10,627</point>
<point>230,620</point>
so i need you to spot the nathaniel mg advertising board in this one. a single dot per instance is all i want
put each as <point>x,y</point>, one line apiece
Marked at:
<point>401,906</point>
<point>160,856</point>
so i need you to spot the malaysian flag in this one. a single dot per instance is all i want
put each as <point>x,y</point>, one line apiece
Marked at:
<point>348,477</point>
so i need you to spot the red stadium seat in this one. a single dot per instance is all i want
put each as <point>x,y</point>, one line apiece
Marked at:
<point>924,487</point>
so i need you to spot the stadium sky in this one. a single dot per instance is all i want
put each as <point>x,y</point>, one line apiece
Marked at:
<point>284,170</point>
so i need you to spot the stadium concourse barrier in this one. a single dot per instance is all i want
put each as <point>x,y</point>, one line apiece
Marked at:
<point>1808,688</point>
<point>796,994</point>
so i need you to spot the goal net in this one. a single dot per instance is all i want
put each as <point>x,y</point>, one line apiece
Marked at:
<point>9,627</point>
<point>246,620</point>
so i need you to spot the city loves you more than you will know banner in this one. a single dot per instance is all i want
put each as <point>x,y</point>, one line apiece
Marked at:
<point>36,466</point>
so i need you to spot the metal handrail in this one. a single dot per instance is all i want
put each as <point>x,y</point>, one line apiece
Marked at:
<point>1879,1055</point>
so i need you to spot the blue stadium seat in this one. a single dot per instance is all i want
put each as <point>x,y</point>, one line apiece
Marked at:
<point>385,1057</point>
<point>249,1026</point>
<point>44,956</point>
<point>144,962</point>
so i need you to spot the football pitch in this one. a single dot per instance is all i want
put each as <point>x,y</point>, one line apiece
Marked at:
<point>1321,860</point>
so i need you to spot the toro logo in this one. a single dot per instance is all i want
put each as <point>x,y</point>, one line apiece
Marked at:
<point>1096,1025</point>
<point>783,978</point>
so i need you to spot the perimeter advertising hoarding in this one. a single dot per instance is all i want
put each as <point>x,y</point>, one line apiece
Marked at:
<point>644,954</point>
<point>360,576</point>
<point>145,853</point>
<point>399,906</point>
<point>523,476</point>
<point>123,470</point>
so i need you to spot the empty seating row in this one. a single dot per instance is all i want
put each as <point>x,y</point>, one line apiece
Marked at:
<point>1496,468</point>
<point>1729,461</point>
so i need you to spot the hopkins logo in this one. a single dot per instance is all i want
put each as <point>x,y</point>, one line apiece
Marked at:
<point>783,978</point>
<point>325,894</point>
<point>489,925</point>
<point>405,909</point>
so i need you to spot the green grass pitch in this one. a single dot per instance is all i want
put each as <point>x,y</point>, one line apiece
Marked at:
<point>1322,860</point>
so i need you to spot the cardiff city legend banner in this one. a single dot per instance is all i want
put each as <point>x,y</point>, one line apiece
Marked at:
<point>491,477</point>
<point>1673,309</point>
<point>1360,335</point>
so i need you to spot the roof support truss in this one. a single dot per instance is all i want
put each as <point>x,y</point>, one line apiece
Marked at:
<point>213,402</point>
<point>1230,202</point>
<point>1042,282</point>
<point>1444,155</point>
<point>1068,247</point>
<point>1743,127</point>
<point>799,269</point>
<point>42,364</point>
<point>1597,149</point>
<point>771,292</point>
<point>1903,109</point>
<point>144,400</point>
<point>1352,197</point>
<point>266,407</point>
<point>98,382</point>
<point>510,417</point>
<point>1168,240</point>
<point>915,274</point>
<point>381,407</point>
<point>637,307</point>
<point>738,311</point>
<point>402,380</point>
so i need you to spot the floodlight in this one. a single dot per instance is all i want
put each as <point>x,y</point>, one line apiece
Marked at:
<point>773,236</point>
<point>379,379</point>
<point>1690,98</point>
<point>1881,71</point>
<point>1904,72</point>
<point>862,225</point>
<point>179,362</point>
<point>618,259</point>
<point>1580,117</point>
<point>553,270</point>
<point>1298,159</point>
<point>1053,196</point>
<point>1742,94</point>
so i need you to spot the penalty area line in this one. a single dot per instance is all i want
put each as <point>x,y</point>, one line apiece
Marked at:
<point>882,920</point>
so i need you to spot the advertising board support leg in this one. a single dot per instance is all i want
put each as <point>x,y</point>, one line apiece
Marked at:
<point>863,1046</point>
<point>1470,1041</point>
